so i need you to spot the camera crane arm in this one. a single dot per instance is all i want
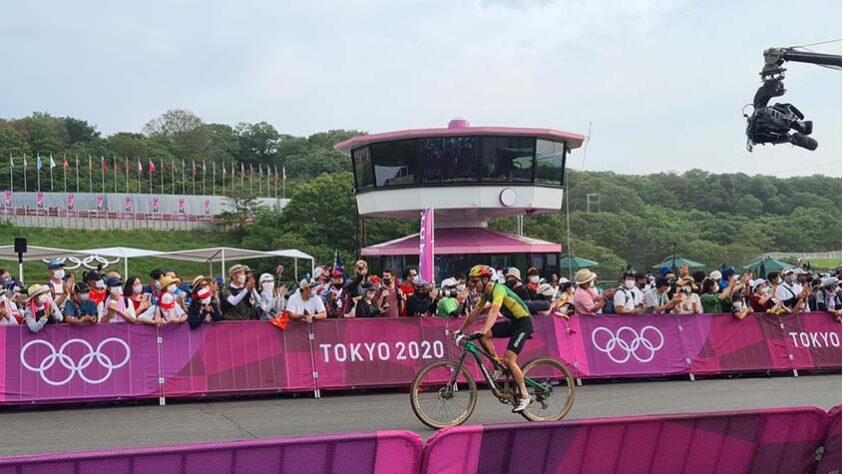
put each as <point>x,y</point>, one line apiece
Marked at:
<point>782,123</point>
<point>774,58</point>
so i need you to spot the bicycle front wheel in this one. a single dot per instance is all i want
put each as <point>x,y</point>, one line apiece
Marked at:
<point>438,403</point>
<point>551,387</point>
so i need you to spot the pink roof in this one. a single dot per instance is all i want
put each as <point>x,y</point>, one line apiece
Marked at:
<point>464,241</point>
<point>461,128</point>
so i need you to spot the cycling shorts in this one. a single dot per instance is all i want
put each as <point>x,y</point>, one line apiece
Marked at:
<point>517,330</point>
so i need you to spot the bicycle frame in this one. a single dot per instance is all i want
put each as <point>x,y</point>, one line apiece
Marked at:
<point>476,350</point>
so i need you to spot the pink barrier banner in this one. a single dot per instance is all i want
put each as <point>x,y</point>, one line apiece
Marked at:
<point>813,339</point>
<point>628,345</point>
<point>66,363</point>
<point>235,357</point>
<point>773,440</point>
<point>831,457</point>
<point>377,351</point>
<point>382,452</point>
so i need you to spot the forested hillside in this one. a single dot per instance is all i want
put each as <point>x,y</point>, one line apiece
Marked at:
<point>713,218</point>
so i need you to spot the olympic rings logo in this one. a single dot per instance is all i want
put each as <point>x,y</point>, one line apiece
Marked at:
<point>633,345</point>
<point>70,364</point>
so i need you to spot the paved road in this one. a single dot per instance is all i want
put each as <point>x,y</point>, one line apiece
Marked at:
<point>74,429</point>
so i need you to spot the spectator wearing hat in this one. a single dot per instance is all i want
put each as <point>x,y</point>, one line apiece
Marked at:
<point>420,303</point>
<point>78,308</point>
<point>586,300</point>
<point>687,301</point>
<point>60,288</point>
<point>323,282</point>
<point>366,307</point>
<point>203,308</point>
<point>389,297</point>
<point>169,310</point>
<point>564,305</point>
<point>450,302</point>
<point>790,292</point>
<point>115,308</point>
<point>269,300</point>
<point>657,300</point>
<point>134,295</point>
<point>761,299</point>
<point>236,302</point>
<point>831,292</point>
<point>513,281</point>
<point>40,309</point>
<point>338,302</point>
<point>625,300</point>
<point>96,286</point>
<point>544,299</point>
<point>304,306</point>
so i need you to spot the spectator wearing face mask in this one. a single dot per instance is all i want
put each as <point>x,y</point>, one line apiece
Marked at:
<point>687,301</point>
<point>586,300</point>
<point>39,309</point>
<point>831,293</point>
<point>564,306</point>
<point>9,313</point>
<point>269,300</point>
<point>543,304</point>
<point>533,281</point>
<point>154,286</point>
<point>656,299</point>
<point>60,288</point>
<point>79,309</point>
<point>791,293</point>
<point>203,308</point>
<point>236,303</point>
<point>134,295</point>
<point>115,309</point>
<point>625,299</point>
<point>96,285</point>
<point>338,303</point>
<point>420,303</point>
<point>513,281</point>
<point>169,310</point>
<point>389,297</point>
<point>761,300</point>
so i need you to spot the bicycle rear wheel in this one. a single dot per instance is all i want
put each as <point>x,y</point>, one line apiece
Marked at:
<point>438,404</point>
<point>554,396</point>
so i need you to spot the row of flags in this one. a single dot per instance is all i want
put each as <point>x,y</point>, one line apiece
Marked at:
<point>128,202</point>
<point>152,168</point>
<point>267,171</point>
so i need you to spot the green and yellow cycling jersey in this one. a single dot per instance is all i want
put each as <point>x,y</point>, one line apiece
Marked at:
<point>512,306</point>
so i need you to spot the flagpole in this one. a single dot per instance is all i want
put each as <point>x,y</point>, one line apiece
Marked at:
<point>193,176</point>
<point>260,186</point>
<point>127,175</point>
<point>90,175</point>
<point>214,178</point>
<point>102,170</point>
<point>51,172</point>
<point>242,175</point>
<point>11,173</point>
<point>77,174</point>
<point>64,169</point>
<point>24,172</point>
<point>204,172</point>
<point>183,184</point>
<point>174,176</point>
<point>38,173</point>
<point>140,176</point>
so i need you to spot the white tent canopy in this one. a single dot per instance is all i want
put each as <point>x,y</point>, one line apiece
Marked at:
<point>210,255</point>
<point>224,254</point>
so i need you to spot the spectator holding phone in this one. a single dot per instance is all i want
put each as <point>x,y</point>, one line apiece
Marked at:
<point>304,306</point>
<point>203,308</point>
<point>686,301</point>
<point>79,309</point>
<point>389,297</point>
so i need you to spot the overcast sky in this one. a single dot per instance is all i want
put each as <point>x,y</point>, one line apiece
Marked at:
<point>662,82</point>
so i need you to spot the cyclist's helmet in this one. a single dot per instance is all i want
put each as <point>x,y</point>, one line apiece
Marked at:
<point>481,271</point>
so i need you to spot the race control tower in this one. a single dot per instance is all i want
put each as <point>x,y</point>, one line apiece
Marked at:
<point>468,175</point>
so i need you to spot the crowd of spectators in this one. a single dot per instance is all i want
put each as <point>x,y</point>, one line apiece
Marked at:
<point>164,299</point>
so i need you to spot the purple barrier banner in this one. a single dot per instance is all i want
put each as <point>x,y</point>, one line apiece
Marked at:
<point>380,452</point>
<point>375,352</point>
<point>236,357</point>
<point>777,440</point>
<point>67,363</point>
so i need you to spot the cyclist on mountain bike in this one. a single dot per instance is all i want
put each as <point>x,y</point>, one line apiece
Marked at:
<point>499,299</point>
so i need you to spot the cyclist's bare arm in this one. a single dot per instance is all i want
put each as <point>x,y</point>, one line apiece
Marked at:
<point>472,316</point>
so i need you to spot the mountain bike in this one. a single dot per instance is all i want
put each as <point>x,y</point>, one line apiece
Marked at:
<point>444,393</point>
